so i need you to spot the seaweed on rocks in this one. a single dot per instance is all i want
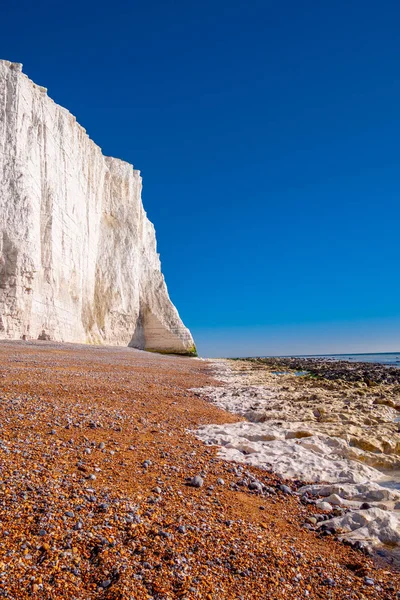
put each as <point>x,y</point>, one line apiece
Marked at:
<point>324,368</point>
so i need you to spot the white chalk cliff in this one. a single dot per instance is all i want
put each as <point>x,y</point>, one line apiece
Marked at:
<point>78,259</point>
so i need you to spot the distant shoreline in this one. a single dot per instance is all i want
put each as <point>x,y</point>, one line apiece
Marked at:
<point>369,372</point>
<point>381,358</point>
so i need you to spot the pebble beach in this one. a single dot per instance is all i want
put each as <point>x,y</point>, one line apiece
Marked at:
<point>106,492</point>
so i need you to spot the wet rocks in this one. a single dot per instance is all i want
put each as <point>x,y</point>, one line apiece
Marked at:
<point>334,370</point>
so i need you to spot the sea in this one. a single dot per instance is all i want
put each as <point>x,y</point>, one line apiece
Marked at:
<point>384,358</point>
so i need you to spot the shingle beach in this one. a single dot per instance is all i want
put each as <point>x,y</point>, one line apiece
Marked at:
<point>105,492</point>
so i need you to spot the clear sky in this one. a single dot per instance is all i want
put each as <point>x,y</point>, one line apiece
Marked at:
<point>267,134</point>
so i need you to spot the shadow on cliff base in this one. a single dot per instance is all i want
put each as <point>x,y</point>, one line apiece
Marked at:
<point>153,336</point>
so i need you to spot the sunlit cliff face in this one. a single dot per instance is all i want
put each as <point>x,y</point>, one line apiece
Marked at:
<point>78,259</point>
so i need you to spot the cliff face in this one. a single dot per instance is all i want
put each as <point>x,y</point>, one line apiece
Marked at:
<point>78,257</point>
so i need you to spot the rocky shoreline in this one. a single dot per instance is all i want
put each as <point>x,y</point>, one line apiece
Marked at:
<point>333,370</point>
<point>335,426</point>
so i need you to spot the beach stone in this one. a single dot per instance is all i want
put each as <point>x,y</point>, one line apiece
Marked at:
<point>255,485</point>
<point>321,505</point>
<point>196,481</point>
<point>334,499</point>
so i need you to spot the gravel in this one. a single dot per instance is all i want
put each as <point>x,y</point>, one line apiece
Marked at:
<point>65,536</point>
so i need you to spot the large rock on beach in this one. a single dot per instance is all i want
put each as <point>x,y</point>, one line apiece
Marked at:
<point>78,258</point>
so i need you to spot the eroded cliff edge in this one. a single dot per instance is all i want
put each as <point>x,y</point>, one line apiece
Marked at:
<point>78,258</point>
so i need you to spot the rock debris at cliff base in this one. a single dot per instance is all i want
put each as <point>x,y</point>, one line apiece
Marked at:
<point>78,256</point>
<point>96,458</point>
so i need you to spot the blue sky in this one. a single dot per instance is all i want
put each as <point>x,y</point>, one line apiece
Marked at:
<point>267,134</point>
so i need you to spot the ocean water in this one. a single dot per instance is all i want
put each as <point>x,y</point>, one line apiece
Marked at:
<point>297,373</point>
<point>383,358</point>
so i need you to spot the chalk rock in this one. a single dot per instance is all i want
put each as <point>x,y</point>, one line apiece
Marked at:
<point>323,505</point>
<point>303,429</point>
<point>374,526</point>
<point>369,491</point>
<point>335,500</point>
<point>317,458</point>
<point>78,259</point>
